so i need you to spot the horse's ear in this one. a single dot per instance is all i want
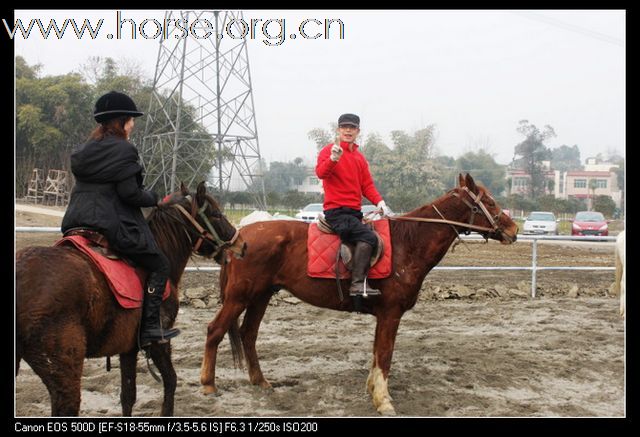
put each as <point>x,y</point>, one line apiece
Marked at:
<point>183,189</point>
<point>460,180</point>
<point>471,184</point>
<point>201,192</point>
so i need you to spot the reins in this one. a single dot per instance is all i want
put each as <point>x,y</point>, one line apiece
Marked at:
<point>475,209</point>
<point>443,221</point>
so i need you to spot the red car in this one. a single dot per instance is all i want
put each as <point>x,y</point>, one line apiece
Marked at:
<point>589,223</point>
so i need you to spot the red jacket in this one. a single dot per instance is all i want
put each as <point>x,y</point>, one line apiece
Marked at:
<point>346,181</point>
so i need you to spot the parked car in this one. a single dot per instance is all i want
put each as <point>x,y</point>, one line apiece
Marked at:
<point>310,213</point>
<point>540,222</point>
<point>367,211</point>
<point>589,223</point>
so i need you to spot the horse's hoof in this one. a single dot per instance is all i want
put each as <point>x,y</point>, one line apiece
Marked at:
<point>386,409</point>
<point>210,390</point>
<point>390,411</point>
<point>265,384</point>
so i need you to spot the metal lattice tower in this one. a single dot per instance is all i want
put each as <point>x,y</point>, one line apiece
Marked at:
<point>201,122</point>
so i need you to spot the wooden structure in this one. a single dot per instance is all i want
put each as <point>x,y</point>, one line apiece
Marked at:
<point>35,191</point>
<point>56,188</point>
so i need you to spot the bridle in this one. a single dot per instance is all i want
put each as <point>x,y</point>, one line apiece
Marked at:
<point>210,233</point>
<point>479,206</point>
<point>476,207</point>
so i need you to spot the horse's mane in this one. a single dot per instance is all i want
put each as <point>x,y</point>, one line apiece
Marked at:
<point>168,228</point>
<point>408,231</point>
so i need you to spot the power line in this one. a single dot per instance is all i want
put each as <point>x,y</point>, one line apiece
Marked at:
<point>572,27</point>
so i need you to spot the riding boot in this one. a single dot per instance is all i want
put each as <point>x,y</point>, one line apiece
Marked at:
<point>361,260</point>
<point>151,330</point>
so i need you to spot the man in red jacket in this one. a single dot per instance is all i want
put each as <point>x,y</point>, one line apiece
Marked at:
<point>346,178</point>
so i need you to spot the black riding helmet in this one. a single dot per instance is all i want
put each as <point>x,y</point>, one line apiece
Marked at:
<point>113,105</point>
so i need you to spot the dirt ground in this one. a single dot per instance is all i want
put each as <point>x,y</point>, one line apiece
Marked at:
<point>475,344</point>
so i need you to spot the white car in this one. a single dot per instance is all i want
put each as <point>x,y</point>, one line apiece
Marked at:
<point>540,222</point>
<point>372,212</point>
<point>310,213</point>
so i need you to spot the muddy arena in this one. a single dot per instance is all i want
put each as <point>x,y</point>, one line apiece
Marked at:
<point>476,344</point>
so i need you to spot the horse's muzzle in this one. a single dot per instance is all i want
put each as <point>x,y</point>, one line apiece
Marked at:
<point>508,239</point>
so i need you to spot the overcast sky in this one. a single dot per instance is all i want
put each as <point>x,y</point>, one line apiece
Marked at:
<point>473,74</point>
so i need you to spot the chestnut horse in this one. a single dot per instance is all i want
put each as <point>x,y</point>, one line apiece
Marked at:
<point>65,310</point>
<point>278,259</point>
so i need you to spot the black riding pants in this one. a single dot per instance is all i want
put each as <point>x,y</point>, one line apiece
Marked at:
<point>347,223</point>
<point>152,263</point>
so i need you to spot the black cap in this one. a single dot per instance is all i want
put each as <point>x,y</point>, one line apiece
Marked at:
<point>113,105</point>
<point>351,119</point>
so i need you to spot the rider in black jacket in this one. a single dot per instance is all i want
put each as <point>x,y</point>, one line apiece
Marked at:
<point>107,197</point>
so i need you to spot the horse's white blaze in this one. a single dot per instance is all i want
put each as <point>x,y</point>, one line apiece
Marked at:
<point>377,385</point>
<point>620,271</point>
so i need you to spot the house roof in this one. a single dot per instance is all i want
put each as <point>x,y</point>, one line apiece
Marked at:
<point>589,173</point>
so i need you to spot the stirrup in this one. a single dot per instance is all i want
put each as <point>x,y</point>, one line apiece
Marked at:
<point>159,338</point>
<point>366,292</point>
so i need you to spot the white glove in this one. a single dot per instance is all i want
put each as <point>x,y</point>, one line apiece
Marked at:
<point>386,211</point>
<point>336,152</point>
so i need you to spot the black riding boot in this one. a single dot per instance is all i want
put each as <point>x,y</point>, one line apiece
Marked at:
<point>361,260</point>
<point>151,330</point>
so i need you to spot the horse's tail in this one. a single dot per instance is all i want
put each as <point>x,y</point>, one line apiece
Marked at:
<point>237,351</point>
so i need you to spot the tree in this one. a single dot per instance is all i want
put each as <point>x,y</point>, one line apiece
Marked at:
<point>407,176</point>
<point>565,158</point>
<point>51,118</point>
<point>484,169</point>
<point>532,152</point>
<point>615,158</point>
<point>605,205</point>
<point>283,176</point>
<point>321,137</point>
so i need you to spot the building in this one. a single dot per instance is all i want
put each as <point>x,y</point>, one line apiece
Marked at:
<point>520,179</point>
<point>576,184</point>
<point>597,179</point>
<point>310,183</point>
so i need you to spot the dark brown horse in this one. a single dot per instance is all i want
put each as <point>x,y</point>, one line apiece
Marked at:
<point>278,259</point>
<point>65,310</point>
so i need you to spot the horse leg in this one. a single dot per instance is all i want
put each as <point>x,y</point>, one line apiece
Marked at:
<point>128,363</point>
<point>377,381</point>
<point>249,333</point>
<point>216,330</point>
<point>58,360</point>
<point>161,356</point>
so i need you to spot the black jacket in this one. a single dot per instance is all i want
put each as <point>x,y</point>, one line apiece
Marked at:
<point>108,195</point>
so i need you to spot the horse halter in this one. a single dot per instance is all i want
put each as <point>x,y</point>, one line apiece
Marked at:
<point>211,235</point>
<point>475,209</point>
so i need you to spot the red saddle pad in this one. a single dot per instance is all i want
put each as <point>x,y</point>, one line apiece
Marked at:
<point>126,282</point>
<point>323,248</point>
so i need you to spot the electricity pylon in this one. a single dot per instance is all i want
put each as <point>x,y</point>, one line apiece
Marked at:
<point>201,120</point>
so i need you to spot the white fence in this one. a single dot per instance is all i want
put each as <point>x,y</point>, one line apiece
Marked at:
<point>534,268</point>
